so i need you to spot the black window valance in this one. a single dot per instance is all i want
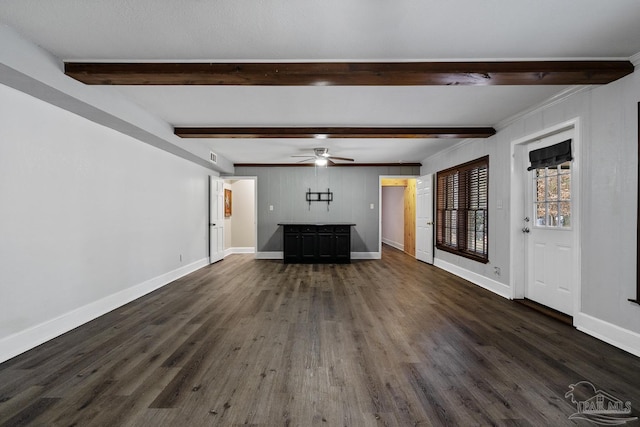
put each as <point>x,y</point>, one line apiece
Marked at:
<point>550,156</point>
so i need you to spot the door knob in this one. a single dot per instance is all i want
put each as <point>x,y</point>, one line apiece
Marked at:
<point>213,225</point>
<point>526,230</point>
<point>429,223</point>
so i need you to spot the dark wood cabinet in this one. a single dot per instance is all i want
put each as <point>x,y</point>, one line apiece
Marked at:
<point>317,243</point>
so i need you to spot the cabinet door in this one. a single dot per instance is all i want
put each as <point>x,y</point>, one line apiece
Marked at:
<point>326,246</point>
<point>343,247</point>
<point>308,246</point>
<point>292,245</point>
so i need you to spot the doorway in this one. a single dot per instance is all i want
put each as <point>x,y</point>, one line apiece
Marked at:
<point>240,215</point>
<point>545,233</point>
<point>398,213</point>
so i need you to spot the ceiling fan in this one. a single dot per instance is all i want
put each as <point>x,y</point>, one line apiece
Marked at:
<point>321,157</point>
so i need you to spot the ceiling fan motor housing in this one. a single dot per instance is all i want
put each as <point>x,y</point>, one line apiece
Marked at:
<point>321,152</point>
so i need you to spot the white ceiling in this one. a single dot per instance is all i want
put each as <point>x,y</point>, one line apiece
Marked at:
<point>329,30</point>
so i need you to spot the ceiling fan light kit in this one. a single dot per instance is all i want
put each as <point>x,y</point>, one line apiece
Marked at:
<point>321,157</point>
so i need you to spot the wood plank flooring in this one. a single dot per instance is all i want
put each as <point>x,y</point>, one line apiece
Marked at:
<point>391,342</point>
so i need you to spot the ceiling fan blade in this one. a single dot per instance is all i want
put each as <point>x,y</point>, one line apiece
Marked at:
<point>332,163</point>
<point>304,160</point>
<point>346,159</point>
<point>305,155</point>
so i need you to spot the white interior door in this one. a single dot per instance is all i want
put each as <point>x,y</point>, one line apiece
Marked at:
<point>549,227</point>
<point>216,219</point>
<point>424,218</point>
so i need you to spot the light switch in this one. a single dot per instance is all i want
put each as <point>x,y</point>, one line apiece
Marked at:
<point>371,206</point>
<point>499,204</point>
<point>270,207</point>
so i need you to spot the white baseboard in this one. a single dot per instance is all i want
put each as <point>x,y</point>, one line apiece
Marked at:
<point>393,244</point>
<point>475,278</point>
<point>270,255</point>
<point>366,255</point>
<point>612,334</point>
<point>239,250</point>
<point>27,339</point>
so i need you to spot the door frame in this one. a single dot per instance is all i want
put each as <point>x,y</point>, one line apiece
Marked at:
<point>255,205</point>
<point>380,178</point>
<point>517,260</point>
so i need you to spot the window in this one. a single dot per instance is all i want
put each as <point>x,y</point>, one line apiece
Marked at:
<point>462,210</point>
<point>552,193</point>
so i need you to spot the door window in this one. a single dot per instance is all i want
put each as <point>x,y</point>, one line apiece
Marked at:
<point>552,197</point>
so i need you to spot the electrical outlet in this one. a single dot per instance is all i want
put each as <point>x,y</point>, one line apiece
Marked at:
<point>371,206</point>
<point>496,271</point>
<point>270,207</point>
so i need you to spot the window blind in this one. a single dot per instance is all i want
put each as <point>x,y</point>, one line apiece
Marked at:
<point>553,155</point>
<point>462,208</point>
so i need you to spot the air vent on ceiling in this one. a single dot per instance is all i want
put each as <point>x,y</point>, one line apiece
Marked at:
<point>213,157</point>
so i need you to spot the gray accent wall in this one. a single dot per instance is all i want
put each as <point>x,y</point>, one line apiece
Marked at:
<point>354,190</point>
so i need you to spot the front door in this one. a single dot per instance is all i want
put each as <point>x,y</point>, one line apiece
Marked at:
<point>424,219</point>
<point>549,227</point>
<point>216,219</point>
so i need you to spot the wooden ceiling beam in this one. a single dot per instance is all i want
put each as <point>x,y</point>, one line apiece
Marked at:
<point>334,132</point>
<point>351,73</point>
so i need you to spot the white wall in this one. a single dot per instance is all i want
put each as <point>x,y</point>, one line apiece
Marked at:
<point>90,218</point>
<point>608,160</point>
<point>482,274</point>
<point>393,216</point>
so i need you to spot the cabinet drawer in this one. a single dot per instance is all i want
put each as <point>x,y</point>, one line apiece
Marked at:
<point>342,228</point>
<point>325,229</point>
<point>291,228</point>
<point>308,228</point>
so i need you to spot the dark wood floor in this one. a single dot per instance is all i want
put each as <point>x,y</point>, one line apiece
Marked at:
<point>389,342</point>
